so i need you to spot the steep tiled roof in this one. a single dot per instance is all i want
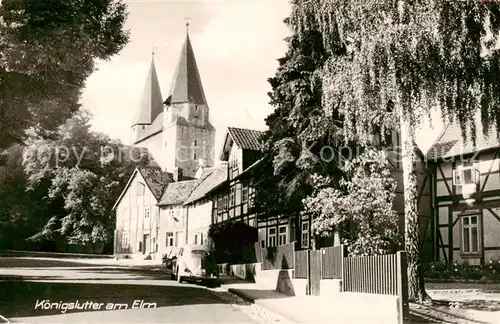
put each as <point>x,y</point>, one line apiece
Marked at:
<point>186,84</point>
<point>450,142</point>
<point>207,183</point>
<point>156,180</point>
<point>151,104</point>
<point>176,193</point>
<point>247,139</point>
<point>155,127</point>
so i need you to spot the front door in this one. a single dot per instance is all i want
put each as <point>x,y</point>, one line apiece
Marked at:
<point>147,244</point>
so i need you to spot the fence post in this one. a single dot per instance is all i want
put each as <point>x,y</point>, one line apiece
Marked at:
<point>402,284</point>
<point>308,264</point>
<point>343,254</point>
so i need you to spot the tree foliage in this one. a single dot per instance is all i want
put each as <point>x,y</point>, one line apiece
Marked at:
<point>403,58</point>
<point>300,135</point>
<point>21,211</point>
<point>48,49</point>
<point>410,54</point>
<point>87,172</point>
<point>362,209</point>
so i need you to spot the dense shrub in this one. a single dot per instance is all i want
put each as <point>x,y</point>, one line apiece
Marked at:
<point>463,271</point>
<point>233,242</point>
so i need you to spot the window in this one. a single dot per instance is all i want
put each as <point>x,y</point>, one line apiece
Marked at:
<point>194,156</point>
<point>220,204</point>
<point>231,198</point>
<point>202,242</point>
<point>195,143</point>
<point>169,241</point>
<point>305,234</point>
<point>147,211</point>
<point>125,240</point>
<point>226,198</point>
<point>282,234</point>
<point>244,194</point>
<point>465,175</point>
<point>165,144</point>
<point>139,248</point>
<point>251,202</point>
<point>196,108</point>
<point>470,234</point>
<point>271,237</point>
<point>140,189</point>
<point>196,239</point>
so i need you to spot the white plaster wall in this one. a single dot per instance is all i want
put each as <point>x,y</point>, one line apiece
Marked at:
<point>199,220</point>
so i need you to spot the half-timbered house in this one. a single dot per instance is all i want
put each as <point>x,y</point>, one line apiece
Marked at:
<point>234,199</point>
<point>466,185</point>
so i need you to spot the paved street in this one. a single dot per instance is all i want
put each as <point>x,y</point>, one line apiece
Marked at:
<point>38,290</point>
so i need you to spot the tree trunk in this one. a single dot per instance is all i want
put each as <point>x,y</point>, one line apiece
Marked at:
<point>416,288</point>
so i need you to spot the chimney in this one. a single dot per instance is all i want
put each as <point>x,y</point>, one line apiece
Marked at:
<point>177,174</point>
<point>202,163</point>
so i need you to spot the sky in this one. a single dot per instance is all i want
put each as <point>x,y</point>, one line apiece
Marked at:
<point>236,44</point>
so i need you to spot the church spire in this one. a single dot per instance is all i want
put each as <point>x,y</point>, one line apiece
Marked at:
<point>186,85</point>
<point>151,104</point>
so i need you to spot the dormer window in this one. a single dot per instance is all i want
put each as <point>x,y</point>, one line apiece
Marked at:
<point>466,174</point>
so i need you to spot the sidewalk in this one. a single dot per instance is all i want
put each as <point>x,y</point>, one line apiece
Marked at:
<point>313,309</point>
<point>296,309</point>
<point>291,308</point>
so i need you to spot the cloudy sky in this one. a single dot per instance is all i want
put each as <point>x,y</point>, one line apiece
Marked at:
<point>236,44</point>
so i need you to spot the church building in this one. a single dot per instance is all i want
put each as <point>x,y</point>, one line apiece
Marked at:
<point>178,135</point>
<point>176,130</point>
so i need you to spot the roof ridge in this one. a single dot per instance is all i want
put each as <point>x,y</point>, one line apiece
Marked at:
<point>197,186</point>
<point>249,129</point>
<point>439,137</point>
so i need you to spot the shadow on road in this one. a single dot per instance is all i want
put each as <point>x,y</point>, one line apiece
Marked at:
<point>19,298</point>
<point>11,262</point>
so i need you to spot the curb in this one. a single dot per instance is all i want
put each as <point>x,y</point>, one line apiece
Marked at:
<point>241,295</point>
<point>254,301</point>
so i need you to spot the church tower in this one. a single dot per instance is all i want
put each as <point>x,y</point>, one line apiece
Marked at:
<point>188,136</point>
<point>150,106</point>
<point>176,131</point>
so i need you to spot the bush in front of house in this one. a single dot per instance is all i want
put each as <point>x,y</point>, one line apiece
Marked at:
<point>462,271</point>
<point>233,242</point>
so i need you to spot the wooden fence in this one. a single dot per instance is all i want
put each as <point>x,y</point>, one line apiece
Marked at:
<point>279,257</point>
<point>301,264</point>
<point>380,274</point>
<point>331,261</point>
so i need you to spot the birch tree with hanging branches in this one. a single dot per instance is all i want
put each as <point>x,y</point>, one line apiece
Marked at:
<point>402,59</point>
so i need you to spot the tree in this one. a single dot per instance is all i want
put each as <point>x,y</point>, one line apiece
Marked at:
<point>299,136</point>
<point>87,172</point>
<point>403,59</point>
<point>48,50</point>
<point>362,210</point>
<point>21,212</point>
